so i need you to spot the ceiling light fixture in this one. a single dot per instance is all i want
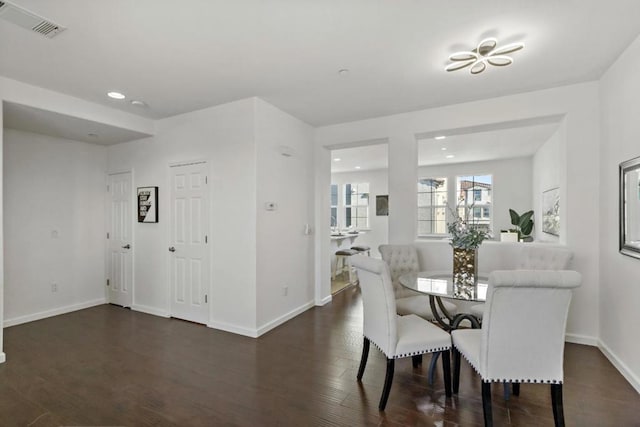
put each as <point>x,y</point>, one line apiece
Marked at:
<point>138,103</point>
<point>485,53</point>
<point>444,148</point>
<point>440,137</point>
<point>115,95</point>
<point>337,159</point>
<point>357,167</point>
<point>449,156</point>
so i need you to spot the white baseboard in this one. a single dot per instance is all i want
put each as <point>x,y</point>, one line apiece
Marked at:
<point>3,357</point>
<point>620,366</point>
<point>150,310</point>
<point>581,339</point>
<point>234,329</point>
<point>255,333</point>
<point>324,301</point>
<point>55,312</point>
<point>280,320</point>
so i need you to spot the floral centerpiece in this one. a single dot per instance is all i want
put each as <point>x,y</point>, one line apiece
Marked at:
<point>465,240</point>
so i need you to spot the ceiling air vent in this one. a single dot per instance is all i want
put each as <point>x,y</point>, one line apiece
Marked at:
<point>30,21</point>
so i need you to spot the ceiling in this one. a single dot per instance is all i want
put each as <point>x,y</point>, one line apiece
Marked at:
<point>31,119</point>
<point>183,56</point>
<point>522,140</point>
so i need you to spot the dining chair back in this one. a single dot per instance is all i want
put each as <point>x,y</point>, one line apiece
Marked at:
<point>401,259</point>
<point>522,334</point>
<point>396,336</point>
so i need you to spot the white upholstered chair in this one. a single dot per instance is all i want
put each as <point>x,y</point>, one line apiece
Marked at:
<point>403,259</point>
<point>522,334</point>
<point>532,257</point>
<point>396,336</point>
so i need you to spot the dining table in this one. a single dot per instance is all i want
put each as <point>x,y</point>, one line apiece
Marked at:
<point>440,284</point>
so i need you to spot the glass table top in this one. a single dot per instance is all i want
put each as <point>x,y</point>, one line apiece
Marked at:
<point>441,284</point>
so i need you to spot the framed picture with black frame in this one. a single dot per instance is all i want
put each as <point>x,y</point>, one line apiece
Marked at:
<point>382,205</point>
<point>147,204</point>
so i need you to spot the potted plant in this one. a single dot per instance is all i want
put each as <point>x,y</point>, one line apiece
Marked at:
<point>523,225</point>
<point>465,240</point>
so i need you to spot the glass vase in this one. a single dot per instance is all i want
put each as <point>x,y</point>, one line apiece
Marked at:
<point>465,266</point>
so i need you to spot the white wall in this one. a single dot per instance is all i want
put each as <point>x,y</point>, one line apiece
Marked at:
<point>511,185</point>
<point>284,251</point>
<point>254,252</point>
<point>224,137</point>
<point>378,232</point>
<point>52,185</point>
<point>549,173</point>
<point>24,94</point>
<point>578,104</point>
<point>619,274</point>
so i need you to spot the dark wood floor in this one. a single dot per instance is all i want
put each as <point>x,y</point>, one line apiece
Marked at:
<point>111,366</point>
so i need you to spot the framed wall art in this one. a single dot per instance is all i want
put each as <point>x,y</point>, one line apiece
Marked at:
<point>630,207</point>
<point>382,205</point>
<point>551,211</point>
<point>147,204</point>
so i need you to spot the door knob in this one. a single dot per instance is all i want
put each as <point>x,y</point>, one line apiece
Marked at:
<point>172,249</point>
<point>127,246</point>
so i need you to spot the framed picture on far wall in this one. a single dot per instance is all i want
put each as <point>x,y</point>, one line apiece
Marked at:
<point>551,211</point>
<point>382,205</point>
<point>147,204</point>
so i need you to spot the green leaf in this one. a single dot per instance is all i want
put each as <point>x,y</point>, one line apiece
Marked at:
<point>525,217</point>
<point>515,218</point>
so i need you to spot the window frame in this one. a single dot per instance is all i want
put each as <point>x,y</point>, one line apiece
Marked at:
<point>432,207</point>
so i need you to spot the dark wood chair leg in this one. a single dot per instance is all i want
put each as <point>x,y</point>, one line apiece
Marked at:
<point>446,368</point>
<point>456,369</point>
<point>387,384</point>
<point>416,360</point>
<point>516,389</point>
<point>363,359</point>
<point>556,403</point>
<point>486,404</point>
<point>432,367</point>
<point>507,390</point>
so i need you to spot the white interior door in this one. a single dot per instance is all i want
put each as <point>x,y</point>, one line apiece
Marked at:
<point>188,249</point>
<point>119,240</point>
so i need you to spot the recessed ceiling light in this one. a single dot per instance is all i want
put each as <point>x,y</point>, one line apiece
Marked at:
<point>344,72</point>
<point>337,159</point>
<point>115,95</point>
<point>138,103</point>
<point>440,137</point>
<point>487,52</point>
<point>357,167</point>
<point>449,156</point>
<point>444,148</point>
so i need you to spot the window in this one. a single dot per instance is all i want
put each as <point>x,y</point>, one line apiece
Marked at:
<point>432,206</point>
<point>474,199</point>
<point>334,205</point>
<point>356,204</point>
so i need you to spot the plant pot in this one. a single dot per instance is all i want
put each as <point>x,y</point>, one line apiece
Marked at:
<point>508,237</point>
<point>465,266</point>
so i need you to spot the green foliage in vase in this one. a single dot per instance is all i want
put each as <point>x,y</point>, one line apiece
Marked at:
<point>465,236</point>
<point>523,223</point>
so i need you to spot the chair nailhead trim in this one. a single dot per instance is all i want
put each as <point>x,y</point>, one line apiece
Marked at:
<point>504,380</point>
<point>416,353</point>
<point>527,380</point>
